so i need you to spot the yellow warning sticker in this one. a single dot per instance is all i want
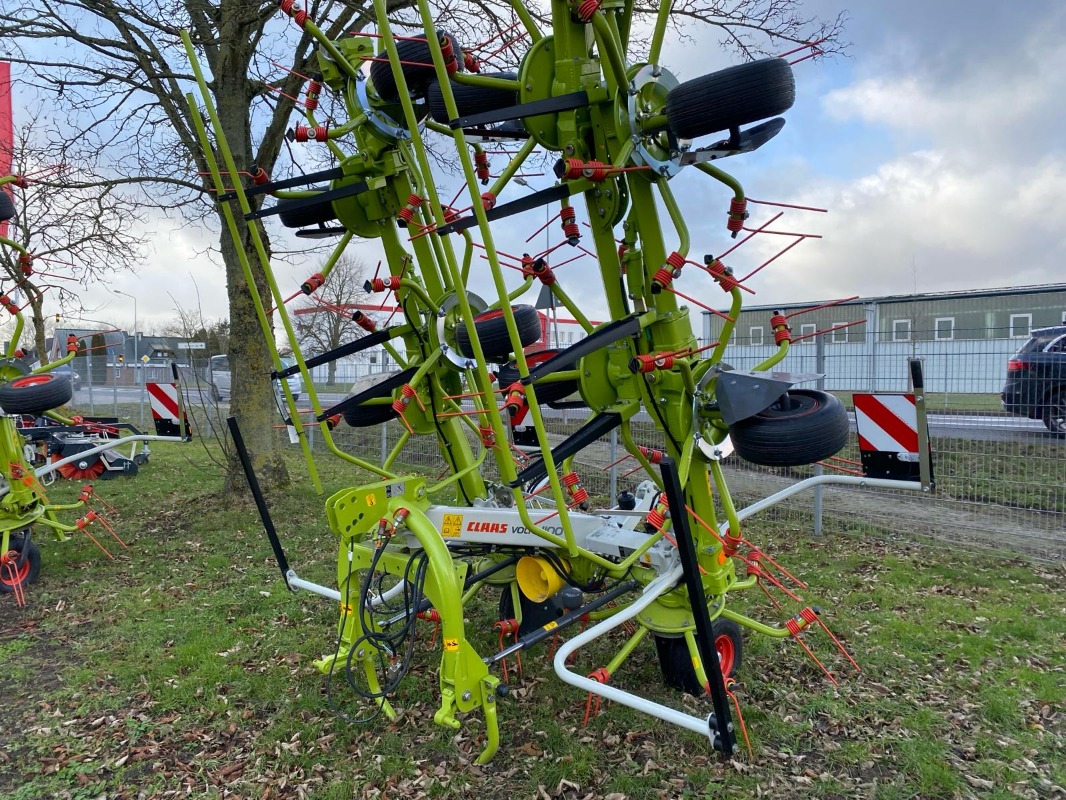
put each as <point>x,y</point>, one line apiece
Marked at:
<point>371,500</point>
<point>696,664</point>
<point>451,644</point>
<point>452,525</point>
<point>551,626</point>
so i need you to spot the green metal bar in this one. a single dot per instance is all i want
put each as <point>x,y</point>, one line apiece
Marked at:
<point>659,34</point>
<point>776,358</point>
<point>485,81</point>
<point>395,452</point>
<point>528,146</point>
<point>626,650</point>
<point>675,217</point>
<point>532,29</point>
<point>722,176</point>
<point>611,51</point>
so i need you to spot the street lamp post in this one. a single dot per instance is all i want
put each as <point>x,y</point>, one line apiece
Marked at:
<point>136,350</point>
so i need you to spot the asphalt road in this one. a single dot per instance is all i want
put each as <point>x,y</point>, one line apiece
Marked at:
<point>978,427</point>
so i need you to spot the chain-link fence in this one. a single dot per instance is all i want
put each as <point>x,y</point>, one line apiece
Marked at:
<point>1000,479</point>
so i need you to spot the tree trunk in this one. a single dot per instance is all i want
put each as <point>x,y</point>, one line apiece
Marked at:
<point>331,373</point>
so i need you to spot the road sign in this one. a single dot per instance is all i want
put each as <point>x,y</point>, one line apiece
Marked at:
<point>192,345</point>
<point>145,359</point>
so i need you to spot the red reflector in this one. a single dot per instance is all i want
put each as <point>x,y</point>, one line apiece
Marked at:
<point>1014,365</point>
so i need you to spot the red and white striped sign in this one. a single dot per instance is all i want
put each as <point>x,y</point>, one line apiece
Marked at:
<point>886,423</point>
<point>164,400</point>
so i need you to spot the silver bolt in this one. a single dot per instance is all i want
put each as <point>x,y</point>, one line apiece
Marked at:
<point>466,696</point>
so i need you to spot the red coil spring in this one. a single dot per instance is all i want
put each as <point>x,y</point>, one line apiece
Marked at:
<point>312,283</point>
<point>298,14</point>
<point>406,214</point>
<point>450,215</point>
<point>571,230</point>
<point>471,63</point>
<point>543,272</point>
<point>782,332</point>
<point>676,261</point>
<point>782,335</point>
<point>662,279</point>
<point>26,263</point>
<point>72,343</point>
<point>723,274</point>
<point>381,284</point>
<point>333,422</point>
<point>260,176</point>
<point>408,391</point>
<point>364,321</point>
<point>587,9</point>
<point>314,89</point>
<point>571,479</point>
<point>319,133</point>
<point>446,50</point>
<point>778,320</point>
<point>600,675</point>
<point>654,456</point>
<point>488,201</point>
<point>481,162</point>
<point>738,212</point>
<point>399,405</point>
<point>488,435</point>
<point>5,301</point>
<point>656,518</point>
<point>800,621</point>
<point>573,168</point>
<point>622,249</point>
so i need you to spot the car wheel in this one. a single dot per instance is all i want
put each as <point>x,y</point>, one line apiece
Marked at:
<point>1055,414</point>
<point>416,65</point>
<point>802,427</point>
<point>471,100</point>
<point>21,564</point>
<point>35,394</point>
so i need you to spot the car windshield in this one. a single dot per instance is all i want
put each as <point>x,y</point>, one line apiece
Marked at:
<point>1041,339</point>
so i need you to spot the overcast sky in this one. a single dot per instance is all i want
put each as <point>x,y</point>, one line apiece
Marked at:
<point>937,144</point>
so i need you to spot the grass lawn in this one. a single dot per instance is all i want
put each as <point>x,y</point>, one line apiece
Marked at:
<point>183,669</point>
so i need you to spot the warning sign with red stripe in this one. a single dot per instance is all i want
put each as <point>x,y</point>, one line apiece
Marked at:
<point>886,423</point>
<point>164,400</point>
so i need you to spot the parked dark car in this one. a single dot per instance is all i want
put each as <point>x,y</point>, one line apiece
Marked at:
<point>72,376</point>
<point>1036,379</point>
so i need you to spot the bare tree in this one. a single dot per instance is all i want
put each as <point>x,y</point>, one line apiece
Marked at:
<point>119,69</point>
<point>324,321</point>
<point>75,234</point>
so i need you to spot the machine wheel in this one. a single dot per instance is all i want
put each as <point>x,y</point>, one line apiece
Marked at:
<point>472,99</point>
<point>676,663</point>
<point>491,330</point>
<point>418,72</point>
<point>730,98</point>
<point>14,571</point>
<point>546,392</point>
<point>7,207</point>
<point>364,416</point>
<point>802,427</point>
<point>306,216</point>
<point>35,394</point>
<point>1055,414</point>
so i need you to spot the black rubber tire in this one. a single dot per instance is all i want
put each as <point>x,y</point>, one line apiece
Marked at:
<point>418,75</point>
<point>35,394</point>
<point>1054,415</point>
<point>491,330</point>
<point>7,206</point>
<point>546,392</point>
<point>676,663</point>
<point>472,99</point>
<point>803,427</point>
<point>307,216</point>
<point>365,416</point>
<point>730,98</point>
<point>29,572</point>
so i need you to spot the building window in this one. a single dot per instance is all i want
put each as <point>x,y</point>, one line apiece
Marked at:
<point>944,329</point>
<point>840,334</point>
<point>901,330</point>
<point>807,329</point>
<point>755,335</point>
<point>1020,325</point>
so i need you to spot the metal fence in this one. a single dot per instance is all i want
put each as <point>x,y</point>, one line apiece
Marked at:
<point>1000,480</point>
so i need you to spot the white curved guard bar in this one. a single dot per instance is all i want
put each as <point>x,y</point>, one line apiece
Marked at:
<point>657,587</point>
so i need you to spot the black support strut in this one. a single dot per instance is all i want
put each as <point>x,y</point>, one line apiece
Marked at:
<point>722,734</point>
